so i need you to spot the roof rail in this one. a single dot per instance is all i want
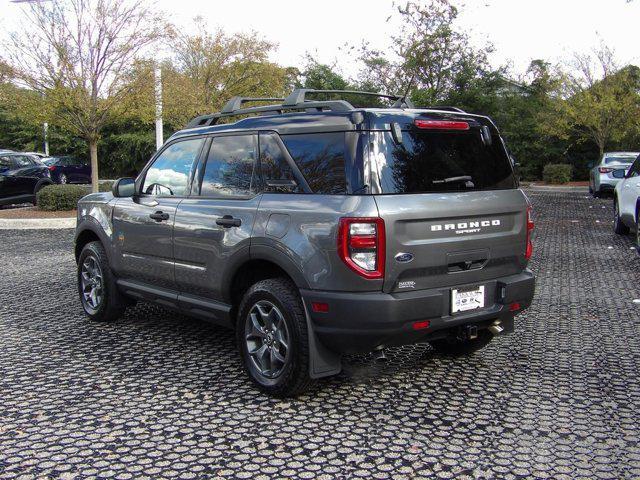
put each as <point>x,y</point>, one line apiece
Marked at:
<point>296,101</point>
<point>447,109</point>
<point>299,96</point>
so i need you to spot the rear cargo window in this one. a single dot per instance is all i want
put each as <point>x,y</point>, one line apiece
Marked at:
<point>320,158</point>
<point>437,161</point>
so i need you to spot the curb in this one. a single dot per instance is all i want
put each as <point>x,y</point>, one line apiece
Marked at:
<point>37,223</point>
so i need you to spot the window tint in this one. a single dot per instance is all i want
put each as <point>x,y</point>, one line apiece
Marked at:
<point>230,166</point>
<point>22,161</point>
<point>274,165</point>
<point>433,161</point>
<point>5,162</point>
<point>169,173</point>
<point>320,158</point>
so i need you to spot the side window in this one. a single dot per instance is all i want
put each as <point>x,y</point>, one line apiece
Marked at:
<point>22,161</point>
<point>274,166</point>
<point>169,173</point>
<point>230,166</point>
<point>320,158</point>
<point>634,170</point>
<point>5,162</point>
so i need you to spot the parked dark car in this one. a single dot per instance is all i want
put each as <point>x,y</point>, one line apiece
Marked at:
<point>21,176</point>
<point>67,169</point>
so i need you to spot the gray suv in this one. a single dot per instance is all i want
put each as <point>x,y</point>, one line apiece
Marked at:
<point>316,229</point>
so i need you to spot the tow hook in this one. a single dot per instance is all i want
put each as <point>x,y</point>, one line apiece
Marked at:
<point>496,328</point>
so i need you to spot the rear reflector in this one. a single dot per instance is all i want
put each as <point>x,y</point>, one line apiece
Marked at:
<point>320,307</point>
<point>441,124</point>
<point>514,306</point>
<point>421,325</point>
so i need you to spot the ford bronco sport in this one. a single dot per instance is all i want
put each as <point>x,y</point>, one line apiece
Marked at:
<point>315,229</point>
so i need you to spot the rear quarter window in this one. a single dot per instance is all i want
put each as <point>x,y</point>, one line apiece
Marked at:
<point>321,160</point>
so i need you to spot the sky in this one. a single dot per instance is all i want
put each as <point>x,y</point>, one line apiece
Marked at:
<point>520,30</point>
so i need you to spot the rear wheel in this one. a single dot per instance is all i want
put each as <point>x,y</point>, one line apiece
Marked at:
<point>455,347</point>
<point>97,288</point>
<point>618,226</point>
<point>272,338</point>
<point>63,179</point>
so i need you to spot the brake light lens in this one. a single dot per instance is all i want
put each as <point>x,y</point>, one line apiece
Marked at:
<point>51,168</point>
<point>530,225</point>
<point>361,245</point>
<point>441,124</point>
<point>605,169</point>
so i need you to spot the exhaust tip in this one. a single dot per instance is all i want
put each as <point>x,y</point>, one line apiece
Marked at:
<point>496,328</point>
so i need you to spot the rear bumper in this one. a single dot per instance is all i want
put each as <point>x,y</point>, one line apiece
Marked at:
<point>361,322</point>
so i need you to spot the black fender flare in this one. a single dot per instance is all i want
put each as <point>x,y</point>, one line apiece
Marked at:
<point>92,225</point>
<point>42,183</point>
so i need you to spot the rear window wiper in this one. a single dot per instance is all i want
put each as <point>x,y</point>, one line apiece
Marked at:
<point>461,178</point>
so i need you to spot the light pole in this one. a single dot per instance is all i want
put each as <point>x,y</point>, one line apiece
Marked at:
<point>158,91</point>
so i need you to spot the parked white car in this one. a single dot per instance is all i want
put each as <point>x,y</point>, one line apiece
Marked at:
<point>625,202</point>
<point>612,168</point>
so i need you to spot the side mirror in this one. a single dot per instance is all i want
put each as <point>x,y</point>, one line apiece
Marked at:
<point>124,187</point>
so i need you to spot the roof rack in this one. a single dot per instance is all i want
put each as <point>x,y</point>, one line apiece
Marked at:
<point>296,101</point>
<point>299,96</point>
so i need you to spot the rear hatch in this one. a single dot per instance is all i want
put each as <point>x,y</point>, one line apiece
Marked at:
<point>451,205</point>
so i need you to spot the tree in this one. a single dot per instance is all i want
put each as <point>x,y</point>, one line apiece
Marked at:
<point>600,100</point>
<point>77,54</point>
<point>430,57</point>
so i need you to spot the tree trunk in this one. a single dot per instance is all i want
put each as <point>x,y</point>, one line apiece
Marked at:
<point>93,151</point>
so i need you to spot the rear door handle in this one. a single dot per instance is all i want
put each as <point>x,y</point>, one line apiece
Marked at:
<point>228,221</point>
<point>159,216</point>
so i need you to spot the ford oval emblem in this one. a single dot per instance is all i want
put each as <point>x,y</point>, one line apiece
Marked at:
<point>404,257</point>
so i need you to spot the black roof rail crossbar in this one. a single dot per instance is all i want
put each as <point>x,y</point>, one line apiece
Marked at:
<point>299,96</point>
<point>212,119</point>
<point>235,103</point>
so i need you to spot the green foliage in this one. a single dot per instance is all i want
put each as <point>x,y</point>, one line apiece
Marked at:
<point>65,197</point>
<point>557,173</point>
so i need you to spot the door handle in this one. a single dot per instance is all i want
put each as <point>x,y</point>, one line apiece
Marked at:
<point>159,216</point>
<point>228,221</point>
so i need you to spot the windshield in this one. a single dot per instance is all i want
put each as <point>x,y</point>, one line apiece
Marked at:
<point>436,161</point>
<point>628,159</point>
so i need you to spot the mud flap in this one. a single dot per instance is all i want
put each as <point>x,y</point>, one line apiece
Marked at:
<point>322,361</point>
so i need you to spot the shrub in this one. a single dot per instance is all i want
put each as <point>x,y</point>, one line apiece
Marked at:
<point>65,197</point>
<point>557,173</point>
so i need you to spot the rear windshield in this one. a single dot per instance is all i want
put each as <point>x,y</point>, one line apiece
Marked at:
<point>619,160</point>
<point>441,161</point>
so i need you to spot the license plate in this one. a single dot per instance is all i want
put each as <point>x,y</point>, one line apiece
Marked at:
<point>467,299</point>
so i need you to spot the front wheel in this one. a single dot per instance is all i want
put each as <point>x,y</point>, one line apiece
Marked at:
<point>272,338</point>
<point>97,288</point>
<point>455,347</point>
<point>618,226</point>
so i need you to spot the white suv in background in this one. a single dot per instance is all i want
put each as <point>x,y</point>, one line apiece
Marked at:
<point>625,202</point>
<point>604,177</point>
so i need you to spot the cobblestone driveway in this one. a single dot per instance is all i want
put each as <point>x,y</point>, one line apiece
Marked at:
<point>160,396</point>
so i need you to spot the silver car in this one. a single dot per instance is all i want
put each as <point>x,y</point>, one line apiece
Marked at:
<point>625,202</point>
<point>604,177</point>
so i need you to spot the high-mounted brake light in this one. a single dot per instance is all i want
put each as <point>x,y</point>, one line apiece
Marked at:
<point>361,245</point>
<point>529,245</point>
<point>605,169</point>
<point>441,124</point>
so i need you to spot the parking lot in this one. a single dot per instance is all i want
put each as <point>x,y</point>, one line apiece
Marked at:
<point>157,395</point>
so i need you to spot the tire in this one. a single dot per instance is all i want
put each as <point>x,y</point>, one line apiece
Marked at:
<point>618,226</point>
<point>271,319</point>
<point>39,187</point>
<point>453,347</point>
<point>104,302</point>
<point>62,179</point>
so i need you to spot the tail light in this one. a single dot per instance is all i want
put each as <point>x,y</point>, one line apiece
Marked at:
<point>529,248</point>
<point>441,124</point>
<point>51,168</point>
<point>361,245</point>
<point>605,169</point>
